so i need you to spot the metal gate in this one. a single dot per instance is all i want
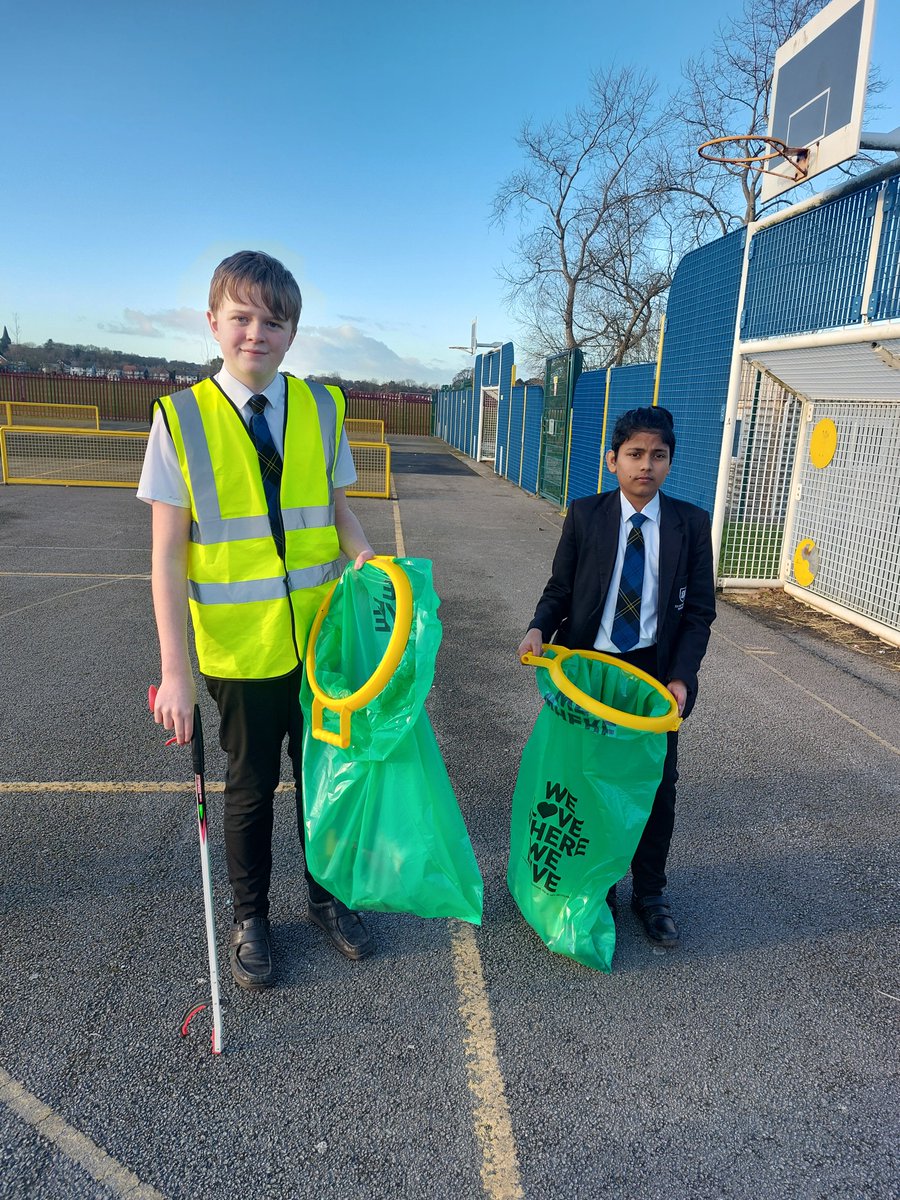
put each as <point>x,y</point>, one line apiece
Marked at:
<point>487,447</point>
<point>763,454</point>
<point>561,374</point>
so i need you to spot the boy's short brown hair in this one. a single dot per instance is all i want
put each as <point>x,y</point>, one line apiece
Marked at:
<point>251,274</point>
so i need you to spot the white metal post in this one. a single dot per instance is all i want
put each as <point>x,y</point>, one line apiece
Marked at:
<point>730,415</point>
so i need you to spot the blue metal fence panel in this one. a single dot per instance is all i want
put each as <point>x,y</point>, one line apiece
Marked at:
<point>452,415</point>
<point>587,433</point>
<point>885,300</point>
<point>534,412</point>
<point>696,363</point>
<point>808,272</point>
<point>516,425</point>
<point>629,387</point>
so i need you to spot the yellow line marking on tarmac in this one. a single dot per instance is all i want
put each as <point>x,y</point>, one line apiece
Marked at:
<point>74,1145</point>
<point>398,528</point>
<point>812,695</point>
<point>490,1111</point>
<point>493,1126</point>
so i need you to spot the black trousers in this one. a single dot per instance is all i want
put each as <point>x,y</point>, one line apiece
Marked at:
<point>255,718</point>
<point>648,867</point>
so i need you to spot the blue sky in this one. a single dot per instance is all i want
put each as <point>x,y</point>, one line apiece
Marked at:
<point>361,143</point>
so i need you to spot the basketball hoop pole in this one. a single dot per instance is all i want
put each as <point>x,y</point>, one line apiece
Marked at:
<point>881,141</point>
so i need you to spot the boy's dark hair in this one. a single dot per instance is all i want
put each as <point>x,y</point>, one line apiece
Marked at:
<point>253,274</point>
<point>645,420</point>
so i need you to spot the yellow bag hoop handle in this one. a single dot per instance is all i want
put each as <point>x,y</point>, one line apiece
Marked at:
<point>376,683</point>
<point>666,723</point>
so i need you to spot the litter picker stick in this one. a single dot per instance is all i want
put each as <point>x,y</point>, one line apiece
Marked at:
<point>200,790</point>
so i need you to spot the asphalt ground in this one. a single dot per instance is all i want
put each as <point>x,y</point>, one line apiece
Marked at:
<point>758,1060</point>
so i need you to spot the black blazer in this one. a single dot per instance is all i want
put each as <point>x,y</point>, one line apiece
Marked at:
<point>572,602</point>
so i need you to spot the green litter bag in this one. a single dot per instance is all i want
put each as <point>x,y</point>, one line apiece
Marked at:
<point>383,828</point>
<point>586,783</point>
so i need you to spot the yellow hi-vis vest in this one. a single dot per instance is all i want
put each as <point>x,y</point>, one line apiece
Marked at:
<point>251,609</point>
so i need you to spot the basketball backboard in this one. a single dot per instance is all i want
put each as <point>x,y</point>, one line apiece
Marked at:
<point>819,91</point>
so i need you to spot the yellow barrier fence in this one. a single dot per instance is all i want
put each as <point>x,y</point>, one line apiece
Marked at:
<point>34,414</point>
<point>360,430</point>
<point>102,458</point>
<point>75,457</point>
<point>373,470</point>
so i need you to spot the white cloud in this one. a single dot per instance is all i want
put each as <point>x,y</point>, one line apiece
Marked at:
<point>180,322</point>
<point>345,349</point>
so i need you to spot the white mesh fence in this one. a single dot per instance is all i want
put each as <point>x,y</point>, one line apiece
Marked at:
<point>850,509</point>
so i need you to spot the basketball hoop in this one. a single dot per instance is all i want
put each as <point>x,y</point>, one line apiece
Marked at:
<point>758,151</point>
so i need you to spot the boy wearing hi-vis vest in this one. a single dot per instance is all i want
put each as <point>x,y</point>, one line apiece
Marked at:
<point>246,473</point>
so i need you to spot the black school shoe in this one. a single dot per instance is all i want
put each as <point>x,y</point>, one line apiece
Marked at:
<point>344,927</point>
<point>655,913</point>
<point>250,953</point>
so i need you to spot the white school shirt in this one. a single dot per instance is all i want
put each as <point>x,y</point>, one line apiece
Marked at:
<point>650,592</point>
<point>161,477</point>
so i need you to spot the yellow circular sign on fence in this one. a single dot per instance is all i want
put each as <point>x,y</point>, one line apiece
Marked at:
<point>806,562</point>
<point>823,443</point>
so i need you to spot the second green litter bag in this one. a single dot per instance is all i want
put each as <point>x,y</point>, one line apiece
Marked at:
<point>586,783</point>
<point>383,828</point>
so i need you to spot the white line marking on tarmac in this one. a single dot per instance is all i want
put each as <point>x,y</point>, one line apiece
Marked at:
<point>71,575</point>
<point>96,785</point>
<point>490,1111</point>
<point>813,695</point>
<point>74,592</point>
<point>74,1145</point>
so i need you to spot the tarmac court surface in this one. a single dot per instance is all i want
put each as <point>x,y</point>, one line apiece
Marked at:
<point>758,1061</point>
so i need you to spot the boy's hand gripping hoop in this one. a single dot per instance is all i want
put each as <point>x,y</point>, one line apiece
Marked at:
<point>553,663</point>
<point>344,706</point>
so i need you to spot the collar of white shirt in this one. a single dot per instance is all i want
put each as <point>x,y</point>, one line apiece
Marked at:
<point>239,394</point>
<point>650,509</point>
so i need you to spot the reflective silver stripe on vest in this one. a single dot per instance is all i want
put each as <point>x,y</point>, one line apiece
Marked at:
<point>264,589</point>
<point>203,479</point>
<point>237,593</point>
<point>307,577</point>
<point>236,529</point>
<point>312,517</point>
<point>229,529</point>
<point>327,406</point>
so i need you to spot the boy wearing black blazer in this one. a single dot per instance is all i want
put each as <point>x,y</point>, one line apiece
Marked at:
<point>660,623</point>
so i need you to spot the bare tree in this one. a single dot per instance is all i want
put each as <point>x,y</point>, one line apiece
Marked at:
<point>612,194</point>
<point>592,256</point>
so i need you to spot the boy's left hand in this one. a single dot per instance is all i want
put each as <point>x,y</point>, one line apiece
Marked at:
<point>679,691</point>
<point>362,557</point>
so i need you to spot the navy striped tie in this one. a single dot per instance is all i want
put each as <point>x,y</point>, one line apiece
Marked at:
<point>626,630</point>
<point>270,465</point>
